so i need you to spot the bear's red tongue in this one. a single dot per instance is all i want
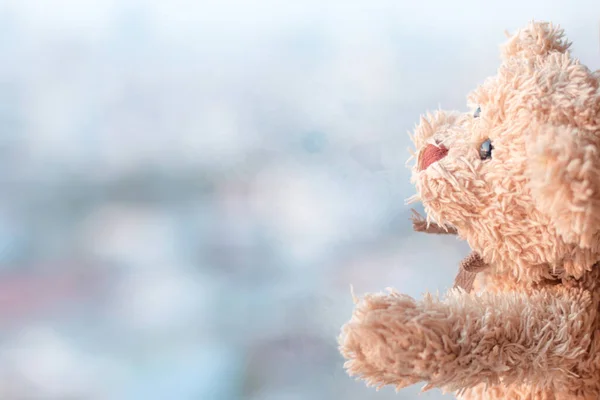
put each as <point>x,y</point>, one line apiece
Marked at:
<point>430,154</point>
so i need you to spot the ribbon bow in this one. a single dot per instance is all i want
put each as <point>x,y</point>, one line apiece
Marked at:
<point>470,266</point>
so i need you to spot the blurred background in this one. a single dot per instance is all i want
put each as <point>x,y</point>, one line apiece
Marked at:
<point>189,188</point>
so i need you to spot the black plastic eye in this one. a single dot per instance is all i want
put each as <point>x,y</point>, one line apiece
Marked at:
<point>477,112</point>
<point>485,151</point>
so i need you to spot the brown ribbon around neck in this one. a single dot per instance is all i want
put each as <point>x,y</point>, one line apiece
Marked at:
<point>469,266</point>
<point>420,224</point>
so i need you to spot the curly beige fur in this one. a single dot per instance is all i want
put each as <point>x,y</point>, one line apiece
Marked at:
<point>530,212</point>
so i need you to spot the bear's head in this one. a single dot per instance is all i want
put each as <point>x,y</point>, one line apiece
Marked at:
<point>518,176</point>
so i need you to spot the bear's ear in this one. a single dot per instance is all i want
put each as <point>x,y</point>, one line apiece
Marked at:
<point>563,169</point>
<point>536,39</point>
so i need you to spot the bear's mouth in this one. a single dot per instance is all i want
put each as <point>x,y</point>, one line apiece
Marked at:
<point>430,154</point>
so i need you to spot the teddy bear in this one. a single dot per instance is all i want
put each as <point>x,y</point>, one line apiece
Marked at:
<point>518,178</point>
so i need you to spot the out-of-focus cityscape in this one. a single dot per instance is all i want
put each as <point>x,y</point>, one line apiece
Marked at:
<point>190,188</point>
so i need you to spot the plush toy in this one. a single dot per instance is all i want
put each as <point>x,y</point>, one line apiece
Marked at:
<point>518,178</point>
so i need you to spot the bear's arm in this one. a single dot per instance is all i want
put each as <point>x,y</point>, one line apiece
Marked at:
<point>468,339</point>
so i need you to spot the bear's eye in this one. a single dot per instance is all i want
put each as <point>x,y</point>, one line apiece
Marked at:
<point>485,151</point>
<point>477,112</point>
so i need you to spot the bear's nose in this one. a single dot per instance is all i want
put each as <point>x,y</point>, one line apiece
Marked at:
<point>430,154</point>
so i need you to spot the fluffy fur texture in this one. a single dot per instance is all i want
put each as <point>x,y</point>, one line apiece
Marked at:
<point>529,330</point>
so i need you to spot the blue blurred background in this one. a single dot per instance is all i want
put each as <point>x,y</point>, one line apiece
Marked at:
<point>189,188</point>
